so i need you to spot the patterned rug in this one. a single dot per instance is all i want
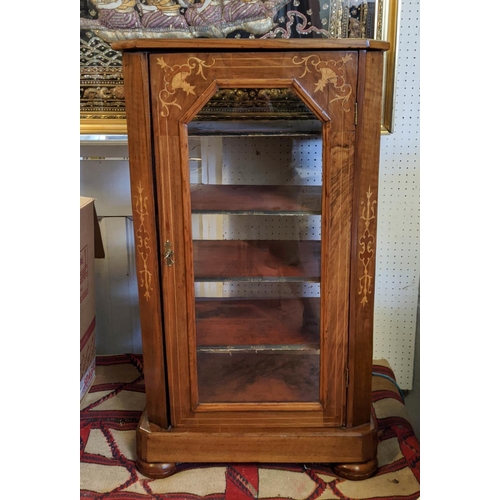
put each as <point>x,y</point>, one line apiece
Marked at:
<point>112,408</point>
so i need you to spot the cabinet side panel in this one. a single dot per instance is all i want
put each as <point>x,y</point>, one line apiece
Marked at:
<point>364,237</point>
<point>135,70</point>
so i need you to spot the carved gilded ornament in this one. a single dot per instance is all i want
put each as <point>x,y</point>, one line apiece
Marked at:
<point>331,75</point>
<point>175,78</point>
<point>366,245</point>
<point>142,238</point>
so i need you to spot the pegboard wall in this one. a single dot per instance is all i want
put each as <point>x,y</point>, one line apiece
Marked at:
<point>398,265</point>
<point>256,160</point>
<point>104,176</point>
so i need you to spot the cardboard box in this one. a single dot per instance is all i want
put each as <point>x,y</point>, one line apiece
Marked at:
<point>90,247</point>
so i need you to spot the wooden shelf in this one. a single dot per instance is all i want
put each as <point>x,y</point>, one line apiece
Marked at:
<point>253,200</point>
<point>253,128</point>
<point>269,323</point>
<point>258,377</point>
<point>256,260</point>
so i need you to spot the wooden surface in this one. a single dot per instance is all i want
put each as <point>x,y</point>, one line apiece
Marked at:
<point>363,240</point>
<point>338,165</point>
<point>205,73</point>
<point>172,111</point>
<point>178,308</point>
<point>255,199</point>
<point>334,78</point>
<point>226,260</point>
<point>231,126</point>
<point>259,445</point>
<point>356,471</point>
<point>239,322</point>
<point>249,44</point>
<point>155,470</point>
<point>255,377</point>
<point>135,70</point>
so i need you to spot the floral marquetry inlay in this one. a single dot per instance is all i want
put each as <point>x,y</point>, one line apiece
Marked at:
<point>176,79</point>
<point>142,242</point>
<point>366,245</point>
<point>331,74</point>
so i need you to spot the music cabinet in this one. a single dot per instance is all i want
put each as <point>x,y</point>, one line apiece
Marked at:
<point>254,173</point>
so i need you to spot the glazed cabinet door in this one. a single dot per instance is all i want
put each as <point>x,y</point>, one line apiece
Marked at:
<point>254,155</point>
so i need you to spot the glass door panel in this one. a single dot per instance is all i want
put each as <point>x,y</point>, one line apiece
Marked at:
<point>256,188</point>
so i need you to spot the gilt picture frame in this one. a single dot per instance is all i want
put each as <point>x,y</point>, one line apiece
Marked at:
<point>102,104</point>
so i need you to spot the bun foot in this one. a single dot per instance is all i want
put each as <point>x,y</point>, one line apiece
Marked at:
<point>356,472</point>
<point>155,470</point>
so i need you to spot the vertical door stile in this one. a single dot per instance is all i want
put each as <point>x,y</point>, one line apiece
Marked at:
<point>185,216</point>
<point>168,276</point>
<point>338,98</point>
<point>170,209</point>
<point>326,300</point>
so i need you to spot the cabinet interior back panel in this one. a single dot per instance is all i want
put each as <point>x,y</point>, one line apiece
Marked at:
<point>397,286</point>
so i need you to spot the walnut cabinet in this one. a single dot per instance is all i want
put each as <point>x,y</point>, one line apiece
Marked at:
<point>254,172</point>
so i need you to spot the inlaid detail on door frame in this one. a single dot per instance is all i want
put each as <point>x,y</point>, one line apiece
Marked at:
<point>175,78</point>
<point>142,242</point>
<point>366,244</point>
<point>332,73</point>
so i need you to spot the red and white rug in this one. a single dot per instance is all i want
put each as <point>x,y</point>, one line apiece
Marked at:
<point>112,408</point>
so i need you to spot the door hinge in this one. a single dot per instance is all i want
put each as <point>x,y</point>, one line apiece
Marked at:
<point>347,377</point>
<point>168,253</point>
<point>355,113</point>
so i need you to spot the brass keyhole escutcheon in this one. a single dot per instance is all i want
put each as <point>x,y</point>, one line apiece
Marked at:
<point>168,253</point>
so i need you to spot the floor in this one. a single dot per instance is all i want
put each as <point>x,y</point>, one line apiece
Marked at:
<point>109,416</point>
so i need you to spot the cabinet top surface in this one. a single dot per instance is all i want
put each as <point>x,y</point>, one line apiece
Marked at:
<point>209,44</point>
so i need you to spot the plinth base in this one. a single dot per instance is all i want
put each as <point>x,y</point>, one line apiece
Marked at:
<point>351,451</point>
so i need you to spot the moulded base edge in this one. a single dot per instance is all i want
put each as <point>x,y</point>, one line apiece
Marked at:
<point>355,449</point>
